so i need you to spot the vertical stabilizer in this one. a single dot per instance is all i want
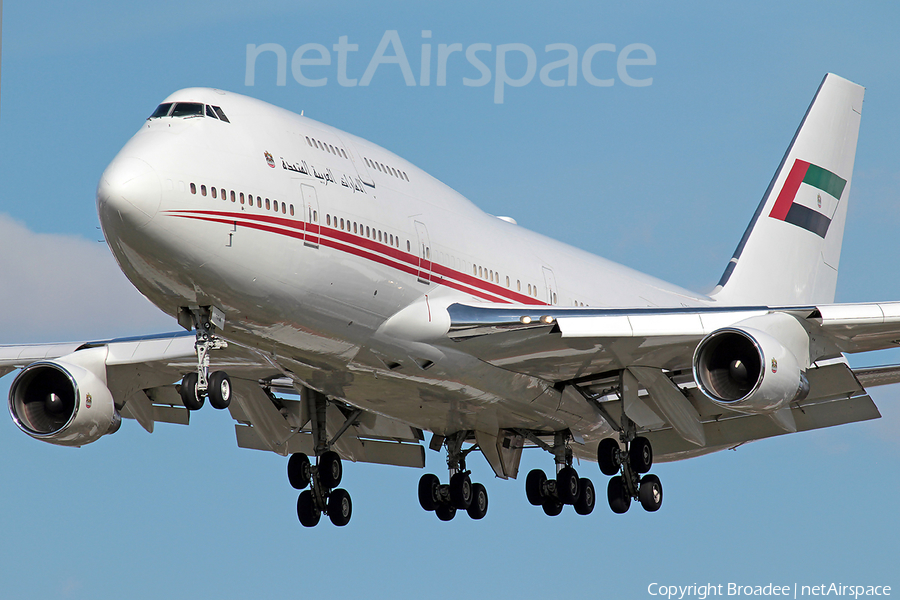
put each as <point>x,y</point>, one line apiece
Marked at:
<point>790,252</point>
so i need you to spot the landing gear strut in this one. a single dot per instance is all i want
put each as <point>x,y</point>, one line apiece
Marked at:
<point>460,494</point>
<point>323,479</point>
<point>200,384</point>
<point>568,488</point>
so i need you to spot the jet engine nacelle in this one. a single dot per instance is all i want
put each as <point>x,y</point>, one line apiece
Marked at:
<point>62,403</point>
<point>757,366</point>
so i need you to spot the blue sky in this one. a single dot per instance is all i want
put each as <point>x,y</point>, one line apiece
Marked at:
<point>663,178</point>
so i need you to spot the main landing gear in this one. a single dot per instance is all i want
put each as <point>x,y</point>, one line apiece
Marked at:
<point>323,479</point>
<point>460,494</point>
<point>628,469</point>
<point>323,495</point>
<point>200,384</point>
<point>568,488</point>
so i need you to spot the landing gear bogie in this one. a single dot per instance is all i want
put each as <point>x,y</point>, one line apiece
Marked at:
<point>323,495</point>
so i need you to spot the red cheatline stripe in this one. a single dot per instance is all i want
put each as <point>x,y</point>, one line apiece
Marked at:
<point>789,190</point>
<point>476,287</point>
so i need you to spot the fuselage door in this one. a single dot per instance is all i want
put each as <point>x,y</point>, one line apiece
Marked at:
<point>424,252</point>
<point>550,282</point>
<point>310,215</point>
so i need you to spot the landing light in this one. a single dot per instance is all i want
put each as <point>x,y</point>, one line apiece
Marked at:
<point>547,319</point>
<point>525,320</point>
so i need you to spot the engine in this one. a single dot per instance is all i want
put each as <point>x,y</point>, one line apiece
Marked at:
<point>62,403</point>
<point>757,366</point>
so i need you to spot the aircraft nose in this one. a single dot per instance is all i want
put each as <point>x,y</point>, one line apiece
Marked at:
<point>130,187</point>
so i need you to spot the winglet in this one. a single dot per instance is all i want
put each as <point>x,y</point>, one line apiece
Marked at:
<point>789,254</point>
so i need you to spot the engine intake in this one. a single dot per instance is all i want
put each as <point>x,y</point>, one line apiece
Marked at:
<point>748,370</point>
<point>62,403</point>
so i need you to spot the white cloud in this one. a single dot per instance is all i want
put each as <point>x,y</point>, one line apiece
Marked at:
<point>63,287</point>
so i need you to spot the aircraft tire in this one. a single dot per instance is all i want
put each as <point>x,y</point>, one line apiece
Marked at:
<point>330,469</point>
<point>219,390</point>
<point>640,454</point>
<point>567,486</point>
<point>608,456</point>
<point>298,470</point>
<point>650,493</point>
<point>534,486</point>
<point>445,511</point>
<point>478,509</point>
<point>307,511</point>
<point>461,491</point>
<point>340,508</point>
<point>619,500</point>
<point>429,487</point>
<point>552,507</point>
<point>587,497</point>
<point>190,396</point>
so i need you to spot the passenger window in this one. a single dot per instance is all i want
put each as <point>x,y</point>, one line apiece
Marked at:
<point>292,210</point>
<point>479,272</point>
<point>308,141</point>
<point>355,225</point>
<point>368,233</point>
<point>315,216</point>
<point>408,249</point>
<point>267,204</point>
<point>344,153</point>
<point>283,208</point>
<point>258,202</point>
<point>342,224</point>
<point>518,285</point>
<point>242,198</point>
<point>328,220</point>
<point>529,289</point>
<point>392,239</point>
<point>193,188</point>
<point>507,281</point>
<point>202,190</point>
<point>232,195</point>
<point>187,109</point>
<point>213,190</point>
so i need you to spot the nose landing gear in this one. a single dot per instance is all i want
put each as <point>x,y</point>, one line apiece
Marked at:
<point>200,384</point>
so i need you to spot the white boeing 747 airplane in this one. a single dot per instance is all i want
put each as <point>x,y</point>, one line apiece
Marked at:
<point>342,303</point>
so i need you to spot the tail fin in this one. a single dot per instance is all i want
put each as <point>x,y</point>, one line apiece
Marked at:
<point>790,251</point>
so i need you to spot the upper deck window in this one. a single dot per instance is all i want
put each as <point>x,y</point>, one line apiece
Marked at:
<point>187,109</point>
<point>161,110</point>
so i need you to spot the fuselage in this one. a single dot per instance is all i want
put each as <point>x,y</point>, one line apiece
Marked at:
<point>310,240</point>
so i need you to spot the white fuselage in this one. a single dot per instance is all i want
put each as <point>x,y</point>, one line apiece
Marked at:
<point>320,238</point>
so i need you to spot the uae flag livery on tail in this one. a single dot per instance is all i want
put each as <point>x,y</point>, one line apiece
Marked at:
<point>809,197</point>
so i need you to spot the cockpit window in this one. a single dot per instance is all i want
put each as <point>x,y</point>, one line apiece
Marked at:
<point>210,112</point>
<point>187,109</point>
<point>221,114</point>
<point>161,110</point>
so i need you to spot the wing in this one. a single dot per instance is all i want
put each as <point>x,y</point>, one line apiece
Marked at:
<point>642,364</point>
<point>143,375</point>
